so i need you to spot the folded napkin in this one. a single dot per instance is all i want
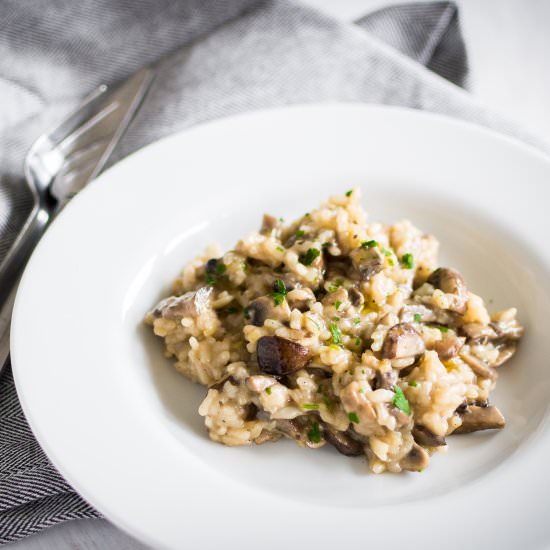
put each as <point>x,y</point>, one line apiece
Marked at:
<point>214,59</point>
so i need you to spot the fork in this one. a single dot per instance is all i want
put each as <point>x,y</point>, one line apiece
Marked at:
<point>58,165</point>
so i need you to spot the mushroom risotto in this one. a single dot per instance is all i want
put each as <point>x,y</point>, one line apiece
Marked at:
<point>334,330</point>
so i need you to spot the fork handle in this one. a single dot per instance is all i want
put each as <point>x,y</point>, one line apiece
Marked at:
<point>9,279</point>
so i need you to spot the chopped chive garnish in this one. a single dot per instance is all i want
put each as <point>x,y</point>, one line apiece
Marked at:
<point>336,318</point>
<point>358,341</point>
<point>220,268</point>
<point>310,406</point>
<point>417,318</point>
<point>281,220</point>
<point>310,256</point>
<point>279,248</point>
<point>335,332</point>
<point>337,304</point>
<point>300,233</point>
<point>348,193</point>
<point>413,383</point>
<point>314,434</point>
<point>268,391</point>
<point>391,263</point>
<point>210,279</point>
<point>443,329</point>
<point>386,252</point>
<point>356,321</point>
<point>369,244</point>
<point>280,292</point>
<point>353,417</point>
<point>246,312</point>
<point>400,401</point>
<point>306,214</point>
<point>408,261</point>
<point>244,266</point>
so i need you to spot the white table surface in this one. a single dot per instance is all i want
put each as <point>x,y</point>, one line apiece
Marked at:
<point>508,43</point>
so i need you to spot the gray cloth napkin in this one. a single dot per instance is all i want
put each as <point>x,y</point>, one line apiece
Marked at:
<point>214,59</point>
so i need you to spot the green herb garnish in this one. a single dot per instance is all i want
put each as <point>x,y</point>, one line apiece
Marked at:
<point>335,332</point>
<point>314,434</point>
<point>281,219</point>
<point>221,268</point>
<point>329,404</point>
<point>356,321</point>
<point>408,261</point>
<point>310,406</point>
<point>246,312</point>
<point>279,248</point>
<point>417,318</point>
<point>358,341</point>
<point>348,193</point>
<point>268,391</point>
<point>400,401</point>
<point>369,244</point>
<point>210,279</point>
<point>386,252</point>
<point>337,304</point>
<point>353,417</point>
<point>300,233</point>
<point>310,256</point>
<point>280,292</point>
<point>413,383</point>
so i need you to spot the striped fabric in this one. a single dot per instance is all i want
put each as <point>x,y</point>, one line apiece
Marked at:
<point>246,54</point>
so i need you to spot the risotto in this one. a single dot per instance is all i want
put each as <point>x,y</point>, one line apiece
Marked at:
<point>334,330</point>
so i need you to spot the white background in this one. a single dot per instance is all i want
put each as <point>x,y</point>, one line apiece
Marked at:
<point>508,43</point>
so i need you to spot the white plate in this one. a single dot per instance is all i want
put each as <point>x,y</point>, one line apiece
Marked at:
<point>122,425</point>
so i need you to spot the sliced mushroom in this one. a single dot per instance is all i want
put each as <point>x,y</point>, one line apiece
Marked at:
<point>341,295</point>
<point>481,418</point>
<point>271,226</point>
<point>342,441</point>
<point>289,428</point>
<point>424,436</point>
<point>356,297</point>
<point>451,281</point>
<point>278,356</point>
<point>409,312</point>
<point>416,459</point>
<point>402,419</point>
<point>508,330</point>
<point>401,341</point>
<point>250,411</point>
<point>221,383</point>
<point>504,353</point>
<point>476,332</point>
<point>385,380</point>
<point>259,310</point>
<point>190,304</point>
<point>367,262</point>
<point>479,367</point>
<point>448,348</point>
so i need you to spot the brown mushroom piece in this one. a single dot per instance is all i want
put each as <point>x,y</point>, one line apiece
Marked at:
<point>504,353</point>
<point>278,356</point>
<point>401,341</point>
<point>424,436</point>
<point>448,347</point>
<point>451,281</point>
<point>356,297</point>
<point>416,459</point>
<point>368,262</point>
<point>479,367</point>
<point>341,441</point>
<point>385,380</point>
<point>190,304</point>
<point>271,226</point>
<point>259,310</point>
<point>289,428</point>
<point>477,418</point>
<point>508,331</point>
